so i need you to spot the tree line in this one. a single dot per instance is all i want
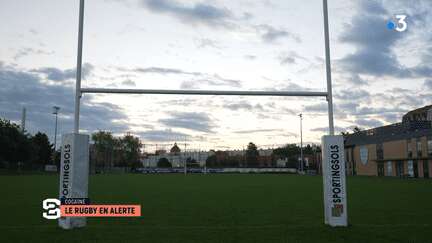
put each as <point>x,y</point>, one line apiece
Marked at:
<point>109,151</point>
<point>21,150</point>
<point>251,157</point>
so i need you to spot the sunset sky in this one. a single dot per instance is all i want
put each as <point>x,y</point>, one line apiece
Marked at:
<point>378,74</point>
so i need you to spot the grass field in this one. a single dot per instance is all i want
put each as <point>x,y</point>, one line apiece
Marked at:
<point>223,208</point>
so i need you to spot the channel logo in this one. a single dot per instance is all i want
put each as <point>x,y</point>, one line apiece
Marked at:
<point>398,23</point>
<point>81,207</point>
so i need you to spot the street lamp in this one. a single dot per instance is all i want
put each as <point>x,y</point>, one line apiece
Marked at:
<point>55,112</point>
<point>301,141</point>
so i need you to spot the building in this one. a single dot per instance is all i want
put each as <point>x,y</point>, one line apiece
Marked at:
<point>234,158</point>
<point>176,157</point>
<point>402,149</point>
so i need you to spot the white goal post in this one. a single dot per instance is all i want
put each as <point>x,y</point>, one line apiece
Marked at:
<point>335,208</point>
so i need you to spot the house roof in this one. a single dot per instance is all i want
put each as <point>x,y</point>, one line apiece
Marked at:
<point>397,131</point>
<point>175,149</point>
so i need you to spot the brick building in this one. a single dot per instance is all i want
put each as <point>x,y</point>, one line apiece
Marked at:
<point>402,149</point>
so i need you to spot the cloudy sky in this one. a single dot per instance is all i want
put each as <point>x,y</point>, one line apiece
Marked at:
<point>378,74</point>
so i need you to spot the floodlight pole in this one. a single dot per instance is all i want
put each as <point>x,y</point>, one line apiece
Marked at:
<point>55,112</point>
<point>301,142</point>
<point>23,119</point>
<point>185,158</point>
<point>79,67</point>
<point>328,69</point>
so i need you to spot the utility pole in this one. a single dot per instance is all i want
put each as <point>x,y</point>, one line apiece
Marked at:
<point>185,159</point>
<point>301,142</point>
<point>205,164</point>
<point>23,120</point>
<point>55,112</point>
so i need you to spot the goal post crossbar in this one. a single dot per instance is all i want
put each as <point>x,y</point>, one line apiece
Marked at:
<point>204,92</point>
<point>79,90</point>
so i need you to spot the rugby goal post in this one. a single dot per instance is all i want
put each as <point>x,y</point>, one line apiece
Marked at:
<point>74,170</point>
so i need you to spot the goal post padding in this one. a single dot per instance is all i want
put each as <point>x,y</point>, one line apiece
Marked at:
<point>334,173</point>
<point>74,174</point>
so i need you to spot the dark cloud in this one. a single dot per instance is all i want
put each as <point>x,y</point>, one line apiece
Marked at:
<point>428,84</point>
<point>368,110</point>
<point>347,107</point>
<point>195,121</point>
<point>320,107</point>
<point>242,105</point>
<point>391,117</point>
<point>195,13</point>
<point>374,7</point>
<point>25,89</point>
<point>357,80</point>
<point>129,82</point>
<point>56,74</point>
<point>404,98</point>
<point>351,104</point>
<point>352,94</point>
<point>272,34</point>
<point>373,42</point>
<point>422,70</point>
<point>375,45</point>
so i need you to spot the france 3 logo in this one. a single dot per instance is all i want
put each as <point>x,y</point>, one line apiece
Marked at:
<point>398,23</point>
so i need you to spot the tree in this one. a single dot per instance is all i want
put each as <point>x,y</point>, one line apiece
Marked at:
<point>111,151</point>
<point>104,145</point>
<point>131,148</point>
<point>308,149</point>
<point>192,163</point>
<point>344,134</point>
<point>290,152</point>
<point>252,155</point>
<point>16,148</point>
<point>164,163</point>
<point>356,129</point>
<point>57,158</point>
<point>43,150</point>
<point>211,161</point>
